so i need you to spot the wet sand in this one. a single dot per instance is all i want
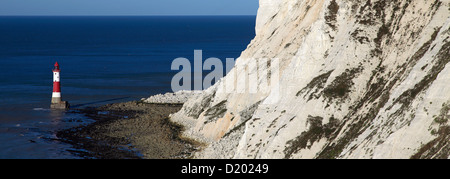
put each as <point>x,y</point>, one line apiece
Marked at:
<point>131,130</point>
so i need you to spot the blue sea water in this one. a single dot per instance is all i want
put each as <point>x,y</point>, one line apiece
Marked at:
<point>103,60</point>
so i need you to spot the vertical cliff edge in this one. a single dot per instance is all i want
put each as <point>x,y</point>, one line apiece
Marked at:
<point>357,79</point>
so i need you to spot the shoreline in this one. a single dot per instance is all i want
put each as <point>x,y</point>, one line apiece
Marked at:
<point>130,130</point>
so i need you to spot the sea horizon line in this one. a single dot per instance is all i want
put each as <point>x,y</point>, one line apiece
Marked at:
<point>127,15</point>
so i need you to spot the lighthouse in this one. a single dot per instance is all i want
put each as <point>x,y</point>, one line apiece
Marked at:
<point>57,103</point>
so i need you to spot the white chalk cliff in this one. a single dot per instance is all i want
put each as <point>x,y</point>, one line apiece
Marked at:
<point>357,79</point>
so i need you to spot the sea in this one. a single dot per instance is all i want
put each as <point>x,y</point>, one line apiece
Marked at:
<point>103,59</point>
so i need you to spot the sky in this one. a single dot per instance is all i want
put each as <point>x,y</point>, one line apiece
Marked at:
<point>127,7</point>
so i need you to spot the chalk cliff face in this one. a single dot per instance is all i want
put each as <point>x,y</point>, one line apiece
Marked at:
<point>357,79</point>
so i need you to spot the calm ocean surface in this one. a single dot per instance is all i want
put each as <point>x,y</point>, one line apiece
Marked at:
<point>103,60</point>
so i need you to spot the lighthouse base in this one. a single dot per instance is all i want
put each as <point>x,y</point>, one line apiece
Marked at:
<point>60,105</point>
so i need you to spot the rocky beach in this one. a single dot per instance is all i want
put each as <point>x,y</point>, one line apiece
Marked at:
<point>130,130</point>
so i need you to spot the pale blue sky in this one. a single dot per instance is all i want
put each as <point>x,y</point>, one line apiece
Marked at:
<point>128,7</point>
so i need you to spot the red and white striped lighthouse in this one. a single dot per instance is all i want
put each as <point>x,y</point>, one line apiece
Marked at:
<point>56,95</point>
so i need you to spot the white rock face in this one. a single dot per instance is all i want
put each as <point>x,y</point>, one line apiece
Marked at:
<point>178,97</point>
<point>357,79</point>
